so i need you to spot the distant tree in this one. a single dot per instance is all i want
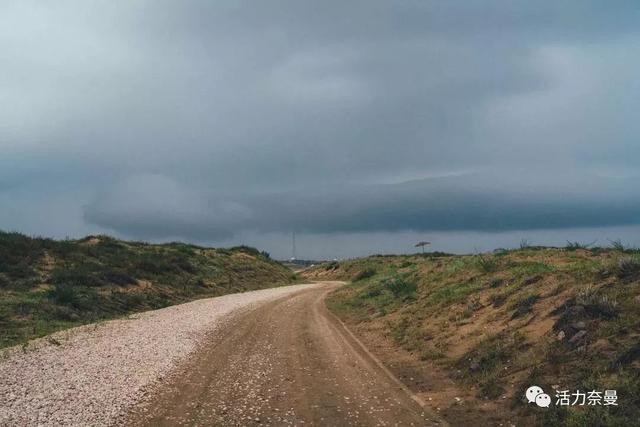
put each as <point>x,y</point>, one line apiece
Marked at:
<point>422,245</point>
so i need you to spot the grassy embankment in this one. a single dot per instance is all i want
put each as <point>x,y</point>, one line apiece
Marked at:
<point>48,285</point>
<point>471,333</point>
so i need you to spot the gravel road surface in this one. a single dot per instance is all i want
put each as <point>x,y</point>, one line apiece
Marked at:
<point>92,375</point>
<point>269,357</point>
<point>288,362</point>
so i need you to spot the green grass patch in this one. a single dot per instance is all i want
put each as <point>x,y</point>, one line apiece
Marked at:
<point>453,293</point>
<point>529,268</point>
<point>364,274</point>
<point>486,263</point>
<point>400,287</point>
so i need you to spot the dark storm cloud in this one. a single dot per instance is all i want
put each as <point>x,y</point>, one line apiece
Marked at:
<point>155,207</point>
<point>203,120</point>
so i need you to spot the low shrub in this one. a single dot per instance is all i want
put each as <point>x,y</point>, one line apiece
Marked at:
<point>597,304</point>
<point>574,246</point>
<point>372,291</point>
<point>497,300</point>
<point>486,264</point>
<point>524,306</point>
<point>590,303</point>
<point>491,387</point>
<point>17,270</point>
<point>118,277</point>
<point>474,304</point>
<point>78,275</point>
<point>628,269</point>
<point>491,353</point>
<point>617,245</point>
<point>453,293</point>
<point>17,253</point>
<point>364,274</point>
<point>331,265</point>
<point>64,294</point>
<point>155,265</point>
<point>400,286</point>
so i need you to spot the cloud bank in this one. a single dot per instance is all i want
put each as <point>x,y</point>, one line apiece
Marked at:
<point>209,120</point>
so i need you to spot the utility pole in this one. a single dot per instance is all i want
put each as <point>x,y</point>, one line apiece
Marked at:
<point>293,245</point>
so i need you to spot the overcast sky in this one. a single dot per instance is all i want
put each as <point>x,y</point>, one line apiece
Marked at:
<point>361,125</point>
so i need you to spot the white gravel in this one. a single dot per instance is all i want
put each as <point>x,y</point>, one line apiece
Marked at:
<point>93,374</point>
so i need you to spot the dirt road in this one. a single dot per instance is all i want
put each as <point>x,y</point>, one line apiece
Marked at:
<point>286,362</point>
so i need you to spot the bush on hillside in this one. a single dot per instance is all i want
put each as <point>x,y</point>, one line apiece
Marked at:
<point>64,294</point>
<point>486,263</point>
<point>118,277</point>
<point>77,275</point>
<point>400,286</point>
<point>364,274</point>
<point>628,269</point>
<point>17,253</point>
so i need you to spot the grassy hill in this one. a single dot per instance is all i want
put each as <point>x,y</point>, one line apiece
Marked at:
<point>47,285</point>
<point>471,333</point>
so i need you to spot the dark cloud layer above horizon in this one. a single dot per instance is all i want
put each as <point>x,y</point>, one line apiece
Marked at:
<point>154,207</point>
<point>207,121</point>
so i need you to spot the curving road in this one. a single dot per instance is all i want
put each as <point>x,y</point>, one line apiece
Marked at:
<point>286,362</point>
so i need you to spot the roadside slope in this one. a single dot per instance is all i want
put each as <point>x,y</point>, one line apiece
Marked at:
<point>93,374</point>
<point>48,285</point>
<point>470,333</point>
